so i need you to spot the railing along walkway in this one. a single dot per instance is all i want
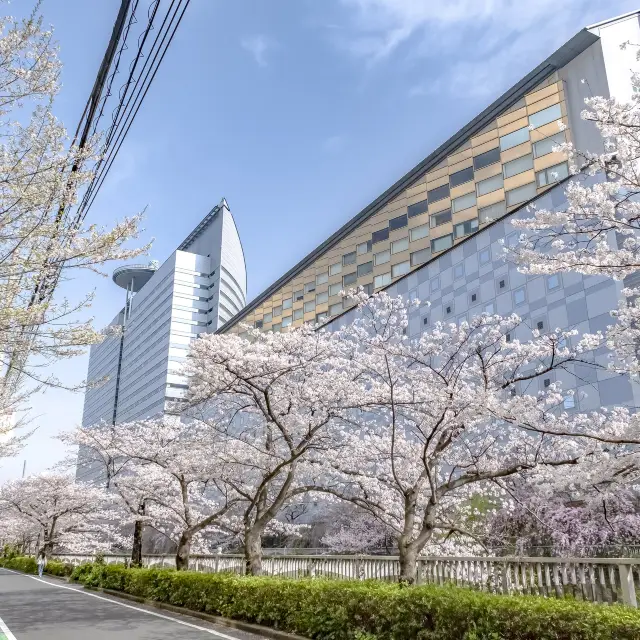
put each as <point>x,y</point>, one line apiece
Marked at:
<point>605,580</point>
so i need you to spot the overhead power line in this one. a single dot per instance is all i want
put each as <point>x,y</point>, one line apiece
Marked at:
<point>132,97</point>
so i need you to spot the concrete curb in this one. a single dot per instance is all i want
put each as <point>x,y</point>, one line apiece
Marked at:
<point>249,627</point>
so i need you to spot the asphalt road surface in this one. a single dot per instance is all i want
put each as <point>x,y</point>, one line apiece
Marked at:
<point>45,609</point>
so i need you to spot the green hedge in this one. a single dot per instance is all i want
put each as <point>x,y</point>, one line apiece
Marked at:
<point>335,610</point>
<point>28,565</point>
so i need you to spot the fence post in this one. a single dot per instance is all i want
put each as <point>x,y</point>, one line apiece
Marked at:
<point>628,587</point>
<point>217,561</point>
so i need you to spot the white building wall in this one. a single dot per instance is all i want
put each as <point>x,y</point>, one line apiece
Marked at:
<point>180,301</point>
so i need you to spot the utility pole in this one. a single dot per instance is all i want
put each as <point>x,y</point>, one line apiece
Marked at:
<point>24,469</point>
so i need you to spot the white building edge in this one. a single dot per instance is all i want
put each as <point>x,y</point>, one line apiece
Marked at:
<point>196,290</point>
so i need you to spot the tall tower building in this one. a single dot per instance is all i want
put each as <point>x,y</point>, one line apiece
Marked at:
<point>134,371</point>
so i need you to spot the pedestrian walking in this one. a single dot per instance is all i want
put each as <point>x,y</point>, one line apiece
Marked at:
<point>41,562</point>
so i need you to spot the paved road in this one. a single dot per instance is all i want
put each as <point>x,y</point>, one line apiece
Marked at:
<point>34,609</point>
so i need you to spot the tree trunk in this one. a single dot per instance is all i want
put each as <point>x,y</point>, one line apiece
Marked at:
<point>408,555</point>
<point>136,552</point>
<point>253,551</point>
<point>184,549</point>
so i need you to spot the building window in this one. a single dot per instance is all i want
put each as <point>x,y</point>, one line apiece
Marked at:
<point>519,165</point>
<point>546,145</point>
<point>258,324</point>
<point>400,245</point>
<point>322,278</point>
<point>553,281</point>
<point>382,280</point>
<point>492,211</point>
<point>400,269</point>
<point>521,194</point>
<point>440,218</point>
<point>550,114</point>
<point>348,279</point>
<point>569,401</point>
<point>380,235</point>
<point>268,317</point>
<point>297,314</point>
<point>502,284</point>
<point>335,309</point>
<point>382,257</point>
<point>519,296</point>
<point>309,287</point>
<point>276,327</point>
<point>368,288</point>
<point>440,244</point>
<point>490,184</point>
<point>547,382</point>
<point>419,257</point>
<point>485,256</point>
<point>458,271</point>
<point>487,158</point>
<point>460,177</point>
<point>321,317</point>
<point>508,337</point>
<point>552,174</point>
<point>277,311</point>
<point>335,268</point>
<point>398,223</point>
<point>514,138</point>
<point>435,284</point>
<point>419,232</point>
<point>449,309</point>
<point>465,228</point>
<point>364,247</point>
<point>287,304</point>
<point>349,258</point>
<point>364,269</point>
<point>309,306</point>
<point>286,321</point>
<point>463,202</point>
<point>540,325</point>
<point>473,298</point>
<point>439,193</point>
<point>335,289</point>
<point>489,308</point>
<point>322,297</point>
<point>417,208</point>
<point>425,321</point>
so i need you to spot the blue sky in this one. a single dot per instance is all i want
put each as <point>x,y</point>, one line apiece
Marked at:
<point>299,112</point>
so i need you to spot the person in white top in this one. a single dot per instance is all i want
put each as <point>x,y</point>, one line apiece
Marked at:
<point>41,562</point>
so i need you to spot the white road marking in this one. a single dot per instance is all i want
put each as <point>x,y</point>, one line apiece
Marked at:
<point>4,629</point>
<point>10,636</point>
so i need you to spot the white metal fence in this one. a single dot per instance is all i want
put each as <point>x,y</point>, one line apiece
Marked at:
<point>605,580</point>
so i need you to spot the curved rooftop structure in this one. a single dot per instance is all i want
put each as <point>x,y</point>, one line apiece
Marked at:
<point>134,276</point>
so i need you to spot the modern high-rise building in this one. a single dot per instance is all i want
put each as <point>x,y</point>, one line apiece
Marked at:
<point>202,284</point>
<point>437,233</point>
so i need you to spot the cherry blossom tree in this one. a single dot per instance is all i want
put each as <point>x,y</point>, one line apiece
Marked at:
<point>42,242</point>
<point>69,515</point>
<point>271,399</point>
<point>102,461</point>
<point>438,423</point>
<point>167,472</point>
<point>551,518</point>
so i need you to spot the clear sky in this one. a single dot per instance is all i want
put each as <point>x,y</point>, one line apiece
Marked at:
<point>299,112</point>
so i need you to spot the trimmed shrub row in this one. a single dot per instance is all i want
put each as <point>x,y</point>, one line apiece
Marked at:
<point>335,610</point>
